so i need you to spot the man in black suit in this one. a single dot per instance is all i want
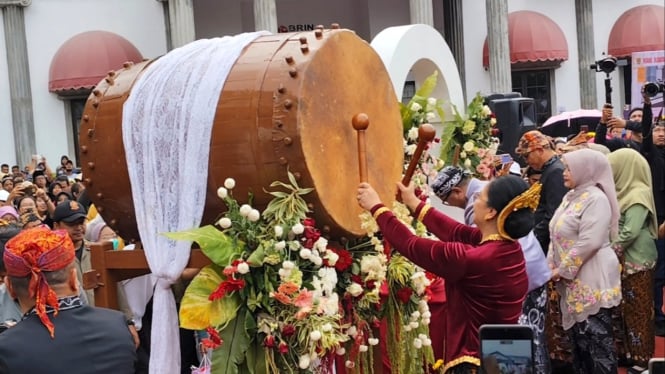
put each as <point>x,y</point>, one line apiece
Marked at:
<point>58,333</point>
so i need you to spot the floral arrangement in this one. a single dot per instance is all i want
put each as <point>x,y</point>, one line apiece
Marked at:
<point>281,298</point>
<point>422,108</point>
<point>468,139</point>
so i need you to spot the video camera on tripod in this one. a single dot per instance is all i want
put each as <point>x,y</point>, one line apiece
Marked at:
<point>607,65</point>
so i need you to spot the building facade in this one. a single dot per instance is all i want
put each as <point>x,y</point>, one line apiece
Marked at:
<point>41,97</point>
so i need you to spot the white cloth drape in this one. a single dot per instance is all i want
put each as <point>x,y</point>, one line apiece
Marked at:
<point>166,127</point>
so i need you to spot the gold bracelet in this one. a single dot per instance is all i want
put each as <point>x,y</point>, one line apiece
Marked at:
<point>379,212</point>
<point>423,211</point>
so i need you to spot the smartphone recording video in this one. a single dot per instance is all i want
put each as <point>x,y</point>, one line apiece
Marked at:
<point>506,349</point>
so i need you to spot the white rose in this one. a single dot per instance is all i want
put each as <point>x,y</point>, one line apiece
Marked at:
<point>407,328</point>
<point>254,215</point>
<point>305,253</point>
<point>414,324</point>
<point>469,146</point>
<point>279,231</point>
<point>462,154</point>
<point>413,133</point>
<point>363,348</point>
<point>415,315</point>
<point>430,116</point>
<point>486,111</point>
<point>354,289</point>
<point>373,341</point>
<point>427,314</point>
<point>229,183</point>
<point>224,222</point>
<point>415,107</point>
<point>350,364</point>
<point>245,209</point>
<point>222,192</point>
<point>327,327</point>
<point>352,331</point>
<point>315,335</point>
<point>280,245</point>
<point>288,265</point>
<point>298,228</point>
<point>417,343</point>
<point>303,362</point>
<point>340,351</point>
<point>410,149</point>
<point>493,121</point>
<point>332,257</point>
<point>425,321</point>
<point>243,268</point>
<point>467,163</point>
<point>316,260</point>
<point>427,342</point>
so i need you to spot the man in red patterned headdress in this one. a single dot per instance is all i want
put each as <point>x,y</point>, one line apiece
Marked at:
<point>58,333</point>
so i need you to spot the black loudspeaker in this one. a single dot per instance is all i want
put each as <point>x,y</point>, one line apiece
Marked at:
<point>515,115</point>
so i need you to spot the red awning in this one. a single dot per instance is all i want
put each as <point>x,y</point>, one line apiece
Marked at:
<point>638,29</point>
<point>82,61</point>
<point>533,37</point>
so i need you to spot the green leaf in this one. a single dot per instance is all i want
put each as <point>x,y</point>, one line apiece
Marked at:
<point>447,142</point>
<point>227,358</point>
<point>428,86</point>
<point>256,358</point>
<point>196,311</point>
<point>256,258</point>
<point>217,246</point>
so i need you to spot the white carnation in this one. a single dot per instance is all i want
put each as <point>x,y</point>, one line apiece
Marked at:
<point>279,231</point>
<point>413,133</point>
<point>415,107</point>
<point>373,341</point>
<point>280,245</point>
<point>315,335</point>
<point>431,101</point>
<point>288,265</point>
<point>467,163</point>
<point>340,351</point>
<point>363,348</point>
<point>298,228</point>
<point>354,289</point>
<point>417,343</point>
<point>304,361</point>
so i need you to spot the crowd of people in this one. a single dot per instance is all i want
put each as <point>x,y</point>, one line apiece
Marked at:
<point>583,266</point>
<point>572,246</point>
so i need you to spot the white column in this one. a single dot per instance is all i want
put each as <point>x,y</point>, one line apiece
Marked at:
<point>18,67</point>
<point>421,12</point>
<point>181,20</point>
<point>586,51</point>
<point>499,47</point>
<point>265,15</point>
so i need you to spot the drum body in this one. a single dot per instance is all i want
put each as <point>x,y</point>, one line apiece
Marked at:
<point>287,104</point>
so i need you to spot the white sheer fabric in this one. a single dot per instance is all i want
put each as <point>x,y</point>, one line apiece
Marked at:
<point>166,127</point>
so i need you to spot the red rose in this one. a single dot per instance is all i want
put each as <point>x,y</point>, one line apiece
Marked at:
<point>288,330</point>
<point>404,294</point>
<point>283,348</point>
<point>269,341</point>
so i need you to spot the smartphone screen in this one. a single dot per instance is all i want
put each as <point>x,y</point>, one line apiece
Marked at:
<point>506,349</point>
<point>657,366</point>
<point>584,128</point>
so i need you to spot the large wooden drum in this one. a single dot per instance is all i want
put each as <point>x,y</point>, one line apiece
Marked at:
<point>287,104</point>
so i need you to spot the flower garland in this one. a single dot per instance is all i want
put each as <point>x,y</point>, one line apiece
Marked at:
<point>421,109</point>
<point>279,296</point>
<point>468,139</point>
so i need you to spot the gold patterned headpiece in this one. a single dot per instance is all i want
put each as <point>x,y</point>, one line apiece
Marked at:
<point>527,199</point>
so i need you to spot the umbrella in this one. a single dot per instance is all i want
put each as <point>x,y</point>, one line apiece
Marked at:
<point>567,123</point>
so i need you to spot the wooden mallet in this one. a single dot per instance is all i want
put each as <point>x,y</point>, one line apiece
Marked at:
<point>360,123</point>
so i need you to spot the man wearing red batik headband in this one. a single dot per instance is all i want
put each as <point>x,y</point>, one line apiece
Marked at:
<point>58,333</point>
